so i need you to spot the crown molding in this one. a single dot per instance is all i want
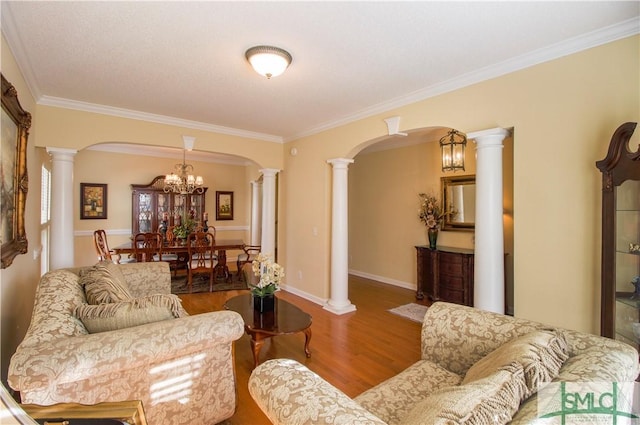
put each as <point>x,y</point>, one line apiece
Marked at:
<point>567,47</point>
<point>160,119</point>
<point>166,152</point>
<point>586,41</point>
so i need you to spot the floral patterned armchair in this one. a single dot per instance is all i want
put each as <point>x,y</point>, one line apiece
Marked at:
<point>182,369</point>
<point>456,343</point>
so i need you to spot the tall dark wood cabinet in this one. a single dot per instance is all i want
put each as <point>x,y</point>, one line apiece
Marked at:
<point>445,274</point>
<point>150,203</point>
<point>620,304</point>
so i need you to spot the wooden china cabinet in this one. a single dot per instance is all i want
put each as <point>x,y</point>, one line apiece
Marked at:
<point>620,310</point>
<point>150,203</point>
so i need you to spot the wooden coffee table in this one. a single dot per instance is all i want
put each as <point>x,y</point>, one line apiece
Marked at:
<point>285,319</point>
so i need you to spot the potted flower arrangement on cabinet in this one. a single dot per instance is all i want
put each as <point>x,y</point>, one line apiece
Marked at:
<point>431,214</point>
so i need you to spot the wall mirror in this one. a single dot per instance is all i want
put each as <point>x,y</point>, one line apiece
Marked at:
<point>459,195</point>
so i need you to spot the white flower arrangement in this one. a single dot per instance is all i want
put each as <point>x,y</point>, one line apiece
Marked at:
<point>270,274</point>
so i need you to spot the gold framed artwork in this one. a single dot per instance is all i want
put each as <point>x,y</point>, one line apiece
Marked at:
<point>224,205</point>
<point>14,127</point>
<point>93,201</point>
<point>120,412</point>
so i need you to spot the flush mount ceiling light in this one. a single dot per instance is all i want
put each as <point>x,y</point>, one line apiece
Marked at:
<point>268,60</point>
<point>452,146</point>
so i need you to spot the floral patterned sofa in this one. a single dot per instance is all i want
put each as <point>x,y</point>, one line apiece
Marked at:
<point>181,368</point>
<point>477,367</point>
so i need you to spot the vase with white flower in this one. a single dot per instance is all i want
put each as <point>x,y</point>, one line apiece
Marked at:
<point>431,214</point>
<point>270,274</point>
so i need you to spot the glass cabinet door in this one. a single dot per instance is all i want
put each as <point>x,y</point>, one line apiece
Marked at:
<point>197,207</point>
<point>179,206</point>
<point>163,209</point>
<point>144,213</point>
<point>620,265</point>
<point>627,261</point>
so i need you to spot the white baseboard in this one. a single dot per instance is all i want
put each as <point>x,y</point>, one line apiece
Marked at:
<point>323,301</point>
<point>305,295</point>
<point>389,281</point>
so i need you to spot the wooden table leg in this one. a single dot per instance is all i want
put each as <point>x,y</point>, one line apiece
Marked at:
<point>307,340</point>
<point>257,341</point>
<point>256,345</point>
<point>221,267</point>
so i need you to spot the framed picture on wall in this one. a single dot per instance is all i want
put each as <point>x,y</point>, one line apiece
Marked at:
<point>93,201</point>
<point>13,173</point>
<point>224,205</point>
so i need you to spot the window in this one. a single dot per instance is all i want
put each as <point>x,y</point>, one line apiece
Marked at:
<point>45,196</point>
<point>45,218</point>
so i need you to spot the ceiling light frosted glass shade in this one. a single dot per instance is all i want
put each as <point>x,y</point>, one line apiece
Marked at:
<point>268,60</point>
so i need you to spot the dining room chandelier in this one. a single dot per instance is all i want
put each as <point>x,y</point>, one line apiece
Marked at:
<point>452,146</point>
<point>182,180</point>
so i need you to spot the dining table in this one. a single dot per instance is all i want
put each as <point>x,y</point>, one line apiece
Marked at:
<point>221,247</point>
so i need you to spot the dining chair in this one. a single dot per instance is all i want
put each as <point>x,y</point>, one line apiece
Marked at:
<point>102,248</point>
<point>250,253</point>
<point>202,259</point>
<point>176,261</point>
<point>147,247</point>
<point>212,230</point>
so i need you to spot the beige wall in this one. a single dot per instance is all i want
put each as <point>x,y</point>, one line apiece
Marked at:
<point>66,128</point>
<point>383,202</point>
<point>18,281</point>
<point>383,209</point>
<point>563,113</point>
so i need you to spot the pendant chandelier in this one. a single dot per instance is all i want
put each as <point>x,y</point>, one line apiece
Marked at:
<point>181,180</point>
<point>452,146</point>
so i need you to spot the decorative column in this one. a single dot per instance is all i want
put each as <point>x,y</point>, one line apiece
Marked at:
<point>256,212</point>
<point>62,244</point>
<point>268,241</point>
<point>339,301</point>
<point>489,231</point>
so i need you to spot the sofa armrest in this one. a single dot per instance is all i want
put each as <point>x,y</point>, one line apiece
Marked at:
<point>147,278</point>
<point>290,394</point>
<point>66,360</point>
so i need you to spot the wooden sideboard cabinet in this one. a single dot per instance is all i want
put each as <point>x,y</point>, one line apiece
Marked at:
<point>445,274</point>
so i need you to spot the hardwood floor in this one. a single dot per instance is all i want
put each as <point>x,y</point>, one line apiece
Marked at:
<point>353,352</point>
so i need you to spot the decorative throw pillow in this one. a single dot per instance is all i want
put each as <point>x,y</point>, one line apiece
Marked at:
<point>139,311</point>
<point>541,354</point>
<point>104,283</point>
<point>392,399</point>
<point>492,400</point>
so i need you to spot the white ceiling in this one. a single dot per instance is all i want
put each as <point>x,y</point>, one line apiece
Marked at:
<point>183,62</point>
